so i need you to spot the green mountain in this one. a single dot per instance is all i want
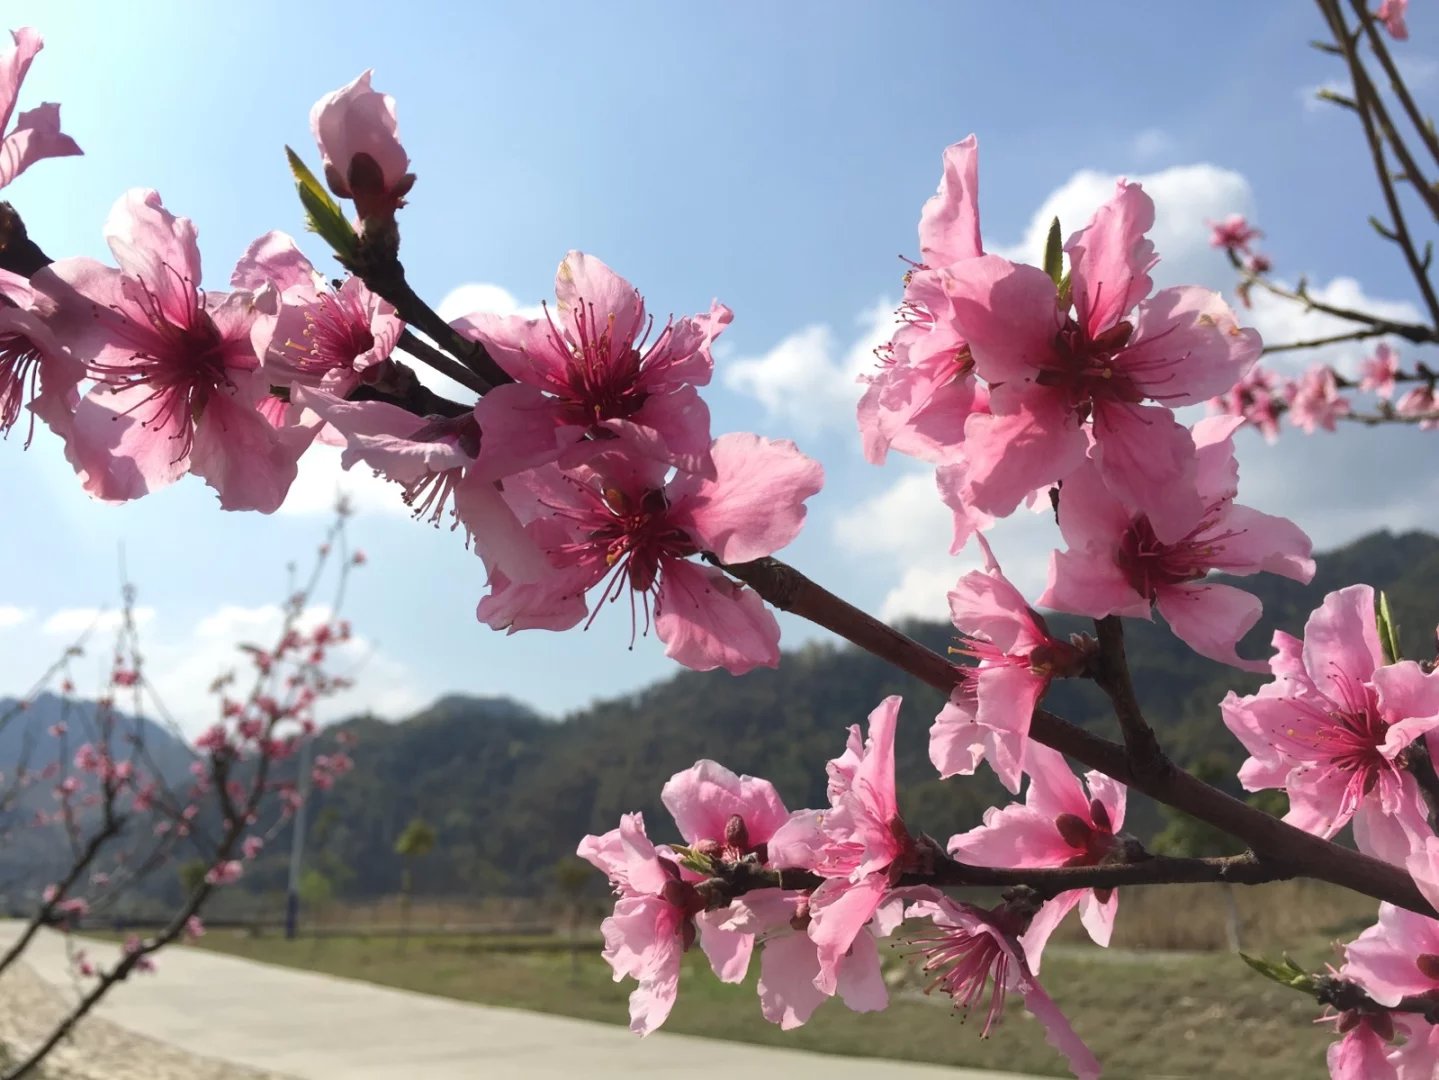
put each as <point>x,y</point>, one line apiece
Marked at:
<point>510,793</point>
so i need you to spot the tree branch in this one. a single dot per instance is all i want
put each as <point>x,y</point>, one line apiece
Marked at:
<point>1111,671</point>
<point>1396,81</point>
<point>1276,842</point>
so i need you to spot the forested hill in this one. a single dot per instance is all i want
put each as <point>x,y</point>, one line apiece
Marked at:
<point>510,792</point>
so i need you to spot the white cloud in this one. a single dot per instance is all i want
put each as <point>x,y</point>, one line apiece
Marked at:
<point>805,380</point>
<point>321,482</point>
<point>906,529</point>
<point>74,621</point>
<point>483,296</point>
<point>1186,197</point>
<point>13,616</point>
<point>183,669</point>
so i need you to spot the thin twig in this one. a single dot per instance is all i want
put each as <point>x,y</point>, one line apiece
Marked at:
<point>1396,81</point>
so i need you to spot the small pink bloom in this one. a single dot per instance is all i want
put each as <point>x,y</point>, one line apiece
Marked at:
<point>591,370</point>
<point>1332,727</point>
<point>616,523</point>
<point>1258,263</point>
<point>252,846</point>
<point>1378,371</point>
<point>322,337</point>
<point>734,815</point>
<point>1395,958</point>
<point>1258,398</point>
<point>1391,13</point>
<point>37,133</point>
<point>225,873</point>
<point>1362,1052</point>
<point>654,921</point>
<point>1420,401</point>
<point>194,927</point>
<point>987,717</point>
<point>973,955</point>
<point>179,383</point>
<point>1058,380</point>
<point>1315,401</point>
<point>359,141</point>
<point>919,400</point>
<point>1116,564</point>
<point>1059,824</point>
<point>860,846</point>
<point>1234,233</point>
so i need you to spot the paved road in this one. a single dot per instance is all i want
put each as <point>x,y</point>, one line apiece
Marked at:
<point>317,1027</point>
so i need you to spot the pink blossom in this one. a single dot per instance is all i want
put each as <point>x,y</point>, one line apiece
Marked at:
<point>225,873</point>
<point>860,846</point>
<point>654,921</point>
<point>1418,1058</point>
<point>194,927</point>
<point>1377,372</point>
<point>433,459</point>
<point>973,955</point>
<point>1117,564</point>
<point>1233,233</point>
<point>37,372</point>
<point>715,810</point>
<point>1395,958</point>
<point>987,717</point>
<point>1362,1052</point>
<point>1333,726</point>
<point>616,523</point>
<point>358,136</point>
<point>1391,13</point>
<point>37,133</point>
<point>1420,401</point>
<point>135,947</point>
<point>1315,401</point>
<point>1257,262</point>
<point>1060,823</point>
<point>789,959</point>
<point>1057,380</point>
<point>252,846</point>
<point>592,371</point>
<point>925,389</point>
<point>323,337</point>
<point>179,384</point>
<point>1258,398</point>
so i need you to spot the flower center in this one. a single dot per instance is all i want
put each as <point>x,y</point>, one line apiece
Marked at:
<point>19,374</point>
<point>337,332</point>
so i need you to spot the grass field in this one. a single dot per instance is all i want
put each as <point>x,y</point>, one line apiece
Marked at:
<point>1146,1014</point>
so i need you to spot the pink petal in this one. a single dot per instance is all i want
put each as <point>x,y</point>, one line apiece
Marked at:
<point>37,136</point>
<point>587,289</point>
<point>839,911</point>
<point>500,541</point>
<point>1007,700</point>
<point>949,222</point>
<point>1341,641</point>
<point>1211,619</point>
<point>1253,541</point>
<point>755,504</point>
<point>1058,1033</point>
<point>242,457</point>
<point>1187,347</point>
<point>14,64</point>
<point>356,119</point>
<point>1147,459</point>
<point>705,796</point>
<point>860,982</point>
<point>1009,314</point>
<point>520,428</point>
<point>672,427</point>
<point>275,259</point>
<point>1045,922</point>
<point>157,249</point>
<point>1098,916</point>
<point>728,951</point>
<point>788,968</point>
<point>1381,959</point>
<point>1110,260</point>
<point>708,621</point>
<point>1088,582</point>
<point>1010,455</point>
<point>1014,835</point>
<point>117,457</point>
<point>1053,787</point>
<point>1360,1055</point>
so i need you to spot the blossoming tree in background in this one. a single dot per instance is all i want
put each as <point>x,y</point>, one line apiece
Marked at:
<point>585,472</point>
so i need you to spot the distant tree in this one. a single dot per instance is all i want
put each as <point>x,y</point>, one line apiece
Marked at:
<point>417,841</point>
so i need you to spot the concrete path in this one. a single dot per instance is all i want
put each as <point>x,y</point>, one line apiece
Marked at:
<point>318,1027</point>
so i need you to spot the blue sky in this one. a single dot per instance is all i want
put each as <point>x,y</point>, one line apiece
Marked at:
<point>773,156</point>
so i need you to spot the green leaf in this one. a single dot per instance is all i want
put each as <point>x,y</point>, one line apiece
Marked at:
<point>1388,632</point>
<point>1287,973</point>
<point>322,213</point>
<point>1054,253</point>
<point>693,860</point>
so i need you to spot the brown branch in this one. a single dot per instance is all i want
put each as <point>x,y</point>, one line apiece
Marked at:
<point>442,362</point>
<point>1335,339</point>
<point>1110,670</point>
<point>1396,81</point>
<point>1372,114</point>
<point>1347,996</point>
<point>18,253</point>
<point>386,276</point>
<point>1245,869</point>
<point>1276,842</point>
